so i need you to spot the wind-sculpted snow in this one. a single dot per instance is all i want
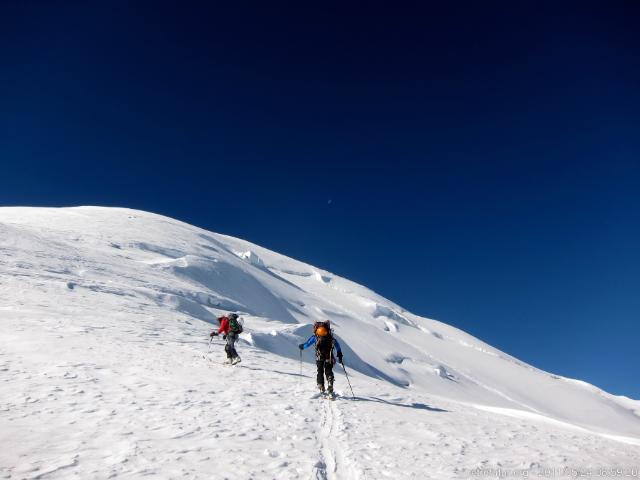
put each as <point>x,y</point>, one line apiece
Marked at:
<point>104,316</point>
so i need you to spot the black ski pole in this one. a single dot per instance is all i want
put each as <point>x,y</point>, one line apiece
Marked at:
<point>346,375</point>
<point>300,377</point>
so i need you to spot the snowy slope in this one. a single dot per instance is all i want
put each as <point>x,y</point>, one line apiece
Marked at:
<point>104,315</point>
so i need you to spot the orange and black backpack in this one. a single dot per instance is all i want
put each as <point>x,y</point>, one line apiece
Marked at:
<point>324,339</point>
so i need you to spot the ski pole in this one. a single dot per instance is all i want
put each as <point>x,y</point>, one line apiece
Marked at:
<point>300,377</point>
<point>346,375</point>
<point>209,347</point>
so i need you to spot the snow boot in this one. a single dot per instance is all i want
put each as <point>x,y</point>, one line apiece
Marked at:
<point>236,360</point>
<point>321,388</point>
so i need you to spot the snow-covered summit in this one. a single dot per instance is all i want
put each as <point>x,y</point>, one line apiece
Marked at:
<point>92,288</point>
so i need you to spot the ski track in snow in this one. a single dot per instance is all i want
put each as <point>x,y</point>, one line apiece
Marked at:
<point>334,463</point>
<point>326,467</point>
<point>104,372</point>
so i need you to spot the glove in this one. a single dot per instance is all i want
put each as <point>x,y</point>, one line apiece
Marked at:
<point>213,334</point>
<point>301,346</point>
<point>224,337</point>
<point>340,357</point>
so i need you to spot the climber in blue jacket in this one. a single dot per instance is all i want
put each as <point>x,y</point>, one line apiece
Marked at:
<point>325,343</point>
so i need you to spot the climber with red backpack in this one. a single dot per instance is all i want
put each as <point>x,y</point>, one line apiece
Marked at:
<point>230,328</point>
<point>325,343</point>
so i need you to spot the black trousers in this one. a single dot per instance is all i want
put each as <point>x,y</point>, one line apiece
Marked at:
<point>325,368</point>
<point>230,347</point>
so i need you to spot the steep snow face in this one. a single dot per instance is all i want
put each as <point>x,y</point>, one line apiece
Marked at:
<point>117,297</point>
<point>138,256</point>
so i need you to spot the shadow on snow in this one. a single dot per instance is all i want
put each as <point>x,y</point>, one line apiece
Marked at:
<point>418,406</point>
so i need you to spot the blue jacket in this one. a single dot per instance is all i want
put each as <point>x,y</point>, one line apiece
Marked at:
<point>312,340</point>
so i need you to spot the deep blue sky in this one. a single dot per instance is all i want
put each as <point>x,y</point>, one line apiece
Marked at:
<point>482,161</point>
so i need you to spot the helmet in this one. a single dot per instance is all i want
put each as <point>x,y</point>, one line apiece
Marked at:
<point>322,331</point>
<point>232,316</point>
